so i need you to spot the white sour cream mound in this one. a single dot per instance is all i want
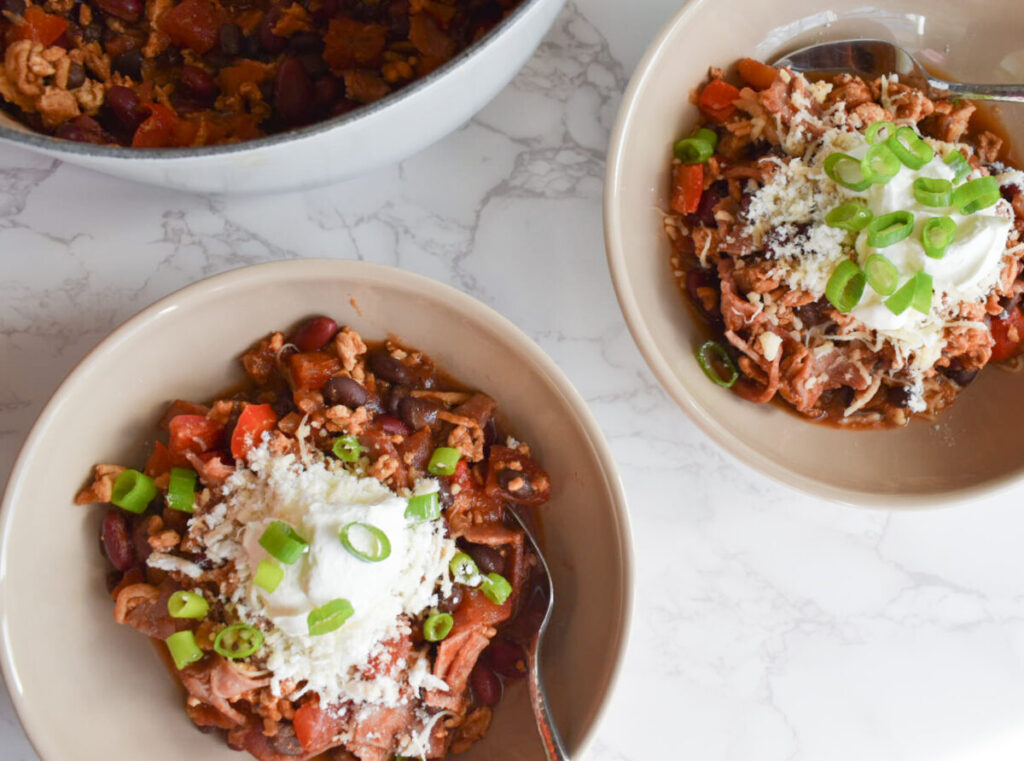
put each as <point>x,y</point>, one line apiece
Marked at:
<point>318,501</point>
<point>800,192</point>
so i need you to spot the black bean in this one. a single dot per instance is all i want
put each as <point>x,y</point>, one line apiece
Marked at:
<point>269,41</point>
<point>92,33</point>
<point>251,46</point>
<point>386,367</point>
<point>304,42</point>
<point>898,396</point>
<point>418,413</point>
<point>230,39</point>
<point>129,63</point>
<point>170,57</point>
<point>217,60</point>
<point>326,91</point>
<point>339,390</point>
<point>313,64</point>
<point>958,375</point>
<point>76,76</point>
<point>452,602</point>
<point>488,559</point>
<point>17,7</point>
<point>506,478</point>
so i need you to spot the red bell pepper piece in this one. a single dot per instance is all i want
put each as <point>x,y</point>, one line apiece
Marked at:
<point>255,420</point>
<point>687,187</point>
<point>193,433</point>
<point>716,100</point>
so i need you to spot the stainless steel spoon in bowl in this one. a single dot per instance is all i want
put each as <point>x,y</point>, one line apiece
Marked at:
<point>873,58</point>
<point>542,602</point>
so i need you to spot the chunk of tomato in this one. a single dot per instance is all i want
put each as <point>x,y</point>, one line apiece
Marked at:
<point>193,433</point>
<point>255,420</point>
<point>1008,334</point>
<point>192,24</point>
<point>315,728</point>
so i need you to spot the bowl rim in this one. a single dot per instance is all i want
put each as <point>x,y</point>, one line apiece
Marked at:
<point>40,141</point>
<point>615,252</point>
<point>32,722</point>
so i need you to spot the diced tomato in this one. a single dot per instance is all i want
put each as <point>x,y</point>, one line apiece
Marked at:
<point>181,407</point>
<point>475,610</point>
<point>1008,334</point>
<point>255,420</point>
<point>756,74</point>
<point>716,100</point>
<point>314,728</point>
<point>687,188</point>
<point>193,433</point>
<point>192,24</point>
<point>39,26</point>
<point>163,459</point>
<point>163,129</point>
<point>311,370</point>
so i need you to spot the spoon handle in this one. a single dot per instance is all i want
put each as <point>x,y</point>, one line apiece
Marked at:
<point>1013,93</point>
<point>554,749</point>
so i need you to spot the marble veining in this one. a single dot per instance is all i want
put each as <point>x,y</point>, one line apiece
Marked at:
<point>769,625</point>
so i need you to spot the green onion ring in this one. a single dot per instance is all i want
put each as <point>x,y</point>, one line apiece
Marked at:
<point>880,164</point>
<point>184,604</point>
<point>711,352</point>
<point>890,228</point>
<point>936,236</point>
<point>133,491</point>
<point>852,215</point>
<point>347,448</point>
<point>909,148</point>
<point>881,274</point>
<point>238,641</point>
<point>464,570</point>
<point>929,191</point>
<point>922,292</point>
<point>423,507</point>
<point>181,490</point>
<point>956,161</point>
<point>496,588</point>
<point>443,461</point>
<point>692,150</point>
<point>437,627</point>
<point>845,286</point>
<point>329,617</point>
<point>874,128</point>
<point>183,648</point>
<point>281,541</point>
<point>382,545</point>
<point>900,301</point>
<point>268,575</point>
<point>976,195</point>
<point>839,165</point>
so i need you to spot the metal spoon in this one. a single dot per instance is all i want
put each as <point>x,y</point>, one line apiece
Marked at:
<point>554,748</point>
<point>872,58</point>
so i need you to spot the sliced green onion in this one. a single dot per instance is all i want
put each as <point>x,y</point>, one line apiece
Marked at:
<point>443,461</point>
<point>692,150</point>
<point>184,604</point>
<point>712,353</point>
<point>871,135</point>
<point>464,569</point>
<point>238,641</point>
<point>900,301</point>
<point>976,195</point>
<point>496,588</point>
<point>329,617</point>
<point>930,191</point>
<point>424,507</point>
<point>956,161</point>
<point>845,286</point>
<point>880,164</point>
<point>281,541</point>
<point>909,148</point>
<point>890,228</point>
<point>709,136</point>
<point>133,491</point>
<point>183,648</point>
<point>268,575</point>
<point>181,490</point>
<point>852,215</point>
<point>381,549</point>
<point>936,235</point>
<point>881,274</point>
<point>347,448</point>
<point>846,171</point>
<point>922,292</point>
<point>437,627</point>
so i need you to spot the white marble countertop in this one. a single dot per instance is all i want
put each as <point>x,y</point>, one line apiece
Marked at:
<point>768,625</point>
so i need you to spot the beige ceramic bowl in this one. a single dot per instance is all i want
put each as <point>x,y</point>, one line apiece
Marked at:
<point>87,689</point>
<point>974,446</point>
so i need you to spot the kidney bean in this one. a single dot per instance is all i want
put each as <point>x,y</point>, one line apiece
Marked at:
<point>488,559</point>
<point>126,106</point>
<point>325,91</point>
<point>117,541</point>
<point>269,41</point>
<point>129,10</point>
<point>486,686</point>
<point>198,83</point>
<point>506,658</point>
<point>314,65</point>
<point>452,602</point>
<point>230,39</point>
<point>81,129</point>
<point>313,334</point>
<point>129,63</point>
<point>708,200</point>
<point>112,579</point>
<point>285,742</point>
<point>391,424</point>
<point>340,390</point>
<point>293,93</point>
<point>418,413</point>
<point>386,367</point>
